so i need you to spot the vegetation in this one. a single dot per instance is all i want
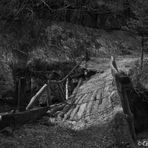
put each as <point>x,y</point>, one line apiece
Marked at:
<point>38,37</point>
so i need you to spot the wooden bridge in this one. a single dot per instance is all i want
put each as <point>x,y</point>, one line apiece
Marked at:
<point>89,104</point>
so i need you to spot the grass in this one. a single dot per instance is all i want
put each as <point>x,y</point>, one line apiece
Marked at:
<point>37,135</point>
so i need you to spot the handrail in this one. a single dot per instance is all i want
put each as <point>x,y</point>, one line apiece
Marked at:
<point>60,81</point>
<point>36,96</point>
<point>46,87</point>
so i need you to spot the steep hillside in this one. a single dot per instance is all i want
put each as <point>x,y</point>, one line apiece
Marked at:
<point>66,42</point>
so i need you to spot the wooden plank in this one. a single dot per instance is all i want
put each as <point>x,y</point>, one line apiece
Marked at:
<point>73,113</point>
<point>90,103</point>
<point>36,97</point>
<point>77,88</point>
<point>65,109</point>
<point>20,118</point>
<point>55,109</point>
<point>67,115</point>
<point>81,111</point>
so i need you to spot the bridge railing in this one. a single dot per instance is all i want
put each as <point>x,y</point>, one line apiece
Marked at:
<point>46,87</point>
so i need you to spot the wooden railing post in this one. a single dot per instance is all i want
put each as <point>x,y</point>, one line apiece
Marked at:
<point>67,88</point>
<point>122,91</point>
<point>22,101</point>
<point>19,94</point>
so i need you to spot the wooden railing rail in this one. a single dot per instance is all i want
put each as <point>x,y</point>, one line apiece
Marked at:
<point>68,75</point>
<point>36,97</point>
<point>46,87</point>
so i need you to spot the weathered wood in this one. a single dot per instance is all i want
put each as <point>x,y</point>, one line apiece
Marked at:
<point>67,115</point>
<point>77,87</point>
<point>62,92</point>
<point>20,118</point>
<point>19,95</point>
<point>90,103</point>
<point>122,82</point>
<point>22,100</point>
<point>36,97</point>
<point>55,109</point>
<point>81,111</point>
<point>65,109</point>
<point>68,73</point>
<point>48,94</point>
<point>113,66</point>
<point>67,88</point>
<point>73,113</point>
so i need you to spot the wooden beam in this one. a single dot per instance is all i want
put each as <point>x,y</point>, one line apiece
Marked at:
<point>20,118</point>
<point>67,81</point>
<point>19,95</point>
<point>36,97</point>
<point>122,91</point>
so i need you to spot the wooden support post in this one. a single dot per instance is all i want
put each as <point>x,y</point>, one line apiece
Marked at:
<point>126,109</point>
<point>22,101</point>
<point>19,95</point>
<point>48,94</point>
<point>67,88</point>
<point>122,91</point>
<point>62,92</point>
<point>36,97</point>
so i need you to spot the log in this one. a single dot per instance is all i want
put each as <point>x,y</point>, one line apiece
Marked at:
<point>81,111</point>
<point>55,109</point>
<point>67,88</point>
<point>36,97</point>
<point>19,118</point>
<point>82,100</point>
<point>65,109</point>
<point>73,113</point>
<point>98,101</point>
<point>80,103</point>
<point>122,81</point>
<point>90,103</point>
<point>76,107</point>
<point>67,115</point>
<point>78,99</point>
